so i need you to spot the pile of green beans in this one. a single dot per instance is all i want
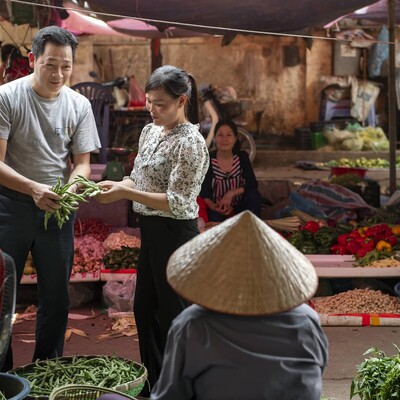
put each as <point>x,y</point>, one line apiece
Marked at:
<point>70,201</point>
<point>2,396</point>
<point>101,371</point>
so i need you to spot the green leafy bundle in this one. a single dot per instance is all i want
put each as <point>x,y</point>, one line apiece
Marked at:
<point>378,377</point>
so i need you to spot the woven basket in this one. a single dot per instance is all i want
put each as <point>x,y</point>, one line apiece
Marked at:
<point>84,392</point>
<point>130,388</point>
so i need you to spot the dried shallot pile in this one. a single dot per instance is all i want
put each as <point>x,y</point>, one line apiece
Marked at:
<point>117,240</point>
<point>358,301</point>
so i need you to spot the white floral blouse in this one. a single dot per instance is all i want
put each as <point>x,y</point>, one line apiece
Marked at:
<point>175,164</point>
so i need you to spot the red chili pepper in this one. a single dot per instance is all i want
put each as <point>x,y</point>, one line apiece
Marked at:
<point>391,239</point>
<point>311,226</point>
<point>353,246</point>
<point>343,238</point>
<point>354,234</point>
<point>339,249</point>
<point>362,251</point>
<point>367,242</point>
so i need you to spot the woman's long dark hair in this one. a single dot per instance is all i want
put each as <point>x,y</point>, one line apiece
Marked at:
<point>176,82</point>
<point>233,126</point>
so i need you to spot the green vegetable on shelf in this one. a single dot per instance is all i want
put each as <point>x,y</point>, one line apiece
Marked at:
<point>124,258</point>
<point>308,247</point>
<point>297,239</point>
<point>372,256</point>
<point>361,162</point>
<point>325,237</point>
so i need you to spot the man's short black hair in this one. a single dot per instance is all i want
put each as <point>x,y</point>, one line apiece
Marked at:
<point>55,35</point>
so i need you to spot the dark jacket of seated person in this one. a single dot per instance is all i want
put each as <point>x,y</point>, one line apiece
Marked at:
<point>249,335</point>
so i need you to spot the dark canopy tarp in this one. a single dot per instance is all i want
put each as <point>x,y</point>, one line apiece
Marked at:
<point>255,15</point>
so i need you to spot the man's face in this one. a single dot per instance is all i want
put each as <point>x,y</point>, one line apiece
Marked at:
<point>51,70</point>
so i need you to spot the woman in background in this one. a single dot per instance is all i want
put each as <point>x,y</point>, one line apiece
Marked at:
<point>230,185</point>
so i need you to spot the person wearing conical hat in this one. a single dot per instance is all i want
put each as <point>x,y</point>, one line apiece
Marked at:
<point>248,334</point>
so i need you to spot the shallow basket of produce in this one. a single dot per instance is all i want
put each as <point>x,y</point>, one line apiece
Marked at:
<point>110,372</point>
<point>87,392</point>
<point>358,307</point>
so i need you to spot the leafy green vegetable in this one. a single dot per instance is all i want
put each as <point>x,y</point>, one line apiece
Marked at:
<point>372,375</point>
<point>391,388</point>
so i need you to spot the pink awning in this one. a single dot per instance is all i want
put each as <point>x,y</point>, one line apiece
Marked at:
<point>81,24</point>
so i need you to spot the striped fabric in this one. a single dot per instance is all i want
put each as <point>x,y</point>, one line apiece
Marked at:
<point>330,195</point>
<point>336,201</point>
<point>225,181</point>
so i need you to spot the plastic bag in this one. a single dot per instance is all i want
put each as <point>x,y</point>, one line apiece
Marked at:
<point>374,139</point>
<point>137,97</point>
<point>118,295</point>
<point>363,96</point>
<point>80,293</point>
<point>379,53</point>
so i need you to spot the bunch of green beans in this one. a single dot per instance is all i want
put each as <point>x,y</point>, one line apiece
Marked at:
<point>2,396</point>
<point>69,201</point>
<point>101,371</point>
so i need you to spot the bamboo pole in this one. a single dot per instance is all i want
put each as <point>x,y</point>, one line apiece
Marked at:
<point>392,97</point>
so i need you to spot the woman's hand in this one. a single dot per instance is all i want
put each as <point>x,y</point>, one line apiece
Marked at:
<point>227,211</point>
<point>112,191</point>
<point>226,201</point>
<point>210,204</point>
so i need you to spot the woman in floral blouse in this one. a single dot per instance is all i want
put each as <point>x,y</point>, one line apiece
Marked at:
<point>166,179</point>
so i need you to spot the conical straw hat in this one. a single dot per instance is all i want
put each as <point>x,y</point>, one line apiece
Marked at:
<point>244,267</point>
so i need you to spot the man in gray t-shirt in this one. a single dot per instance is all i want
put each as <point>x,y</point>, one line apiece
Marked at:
<point>44,125</point>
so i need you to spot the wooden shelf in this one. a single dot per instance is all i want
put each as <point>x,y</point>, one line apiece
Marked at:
<point>75,277</point>
<point>118,275</point>
<point>336,266</point>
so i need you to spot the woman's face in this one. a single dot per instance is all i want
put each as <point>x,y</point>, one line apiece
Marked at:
<point>165,110</point>
<point>225,139</point>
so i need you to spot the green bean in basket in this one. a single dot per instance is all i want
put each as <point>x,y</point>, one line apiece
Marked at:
<point>102,371</point>
<point>70,201</point>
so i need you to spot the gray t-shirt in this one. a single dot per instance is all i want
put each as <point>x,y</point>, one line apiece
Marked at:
<point>42,134</point>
